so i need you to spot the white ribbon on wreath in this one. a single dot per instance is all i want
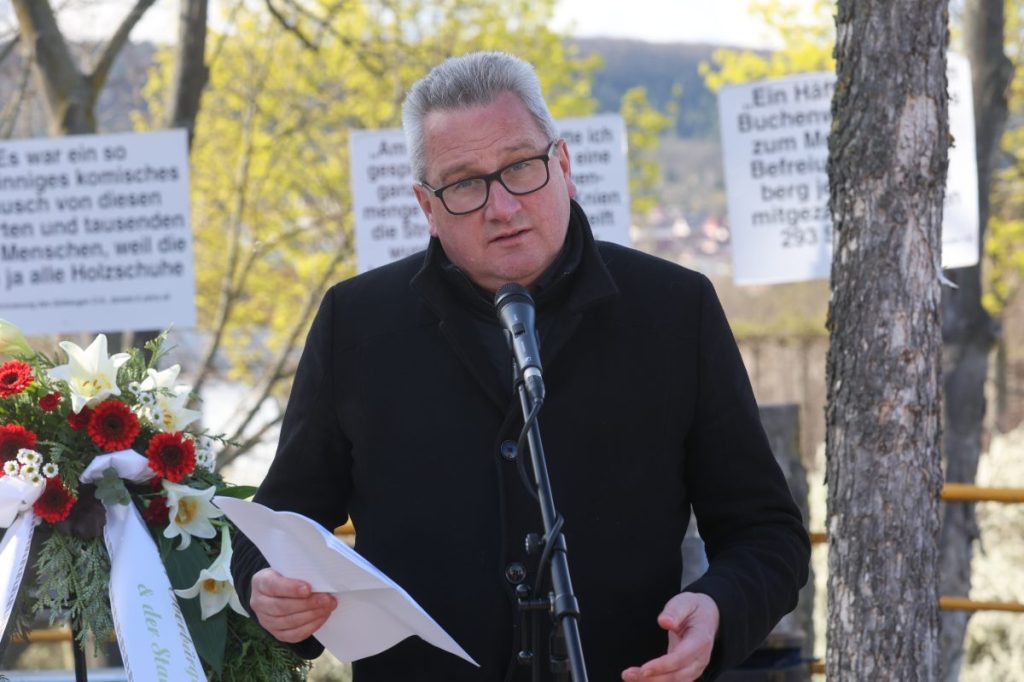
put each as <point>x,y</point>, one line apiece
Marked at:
<point>16,499</point>
<point>151,632</point>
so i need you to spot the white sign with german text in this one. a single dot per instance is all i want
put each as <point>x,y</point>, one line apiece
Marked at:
<point>95,233</point>
<point>390,225</point>
<point>775,148</point>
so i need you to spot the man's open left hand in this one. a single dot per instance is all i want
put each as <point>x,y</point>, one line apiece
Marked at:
<point>691,620</point>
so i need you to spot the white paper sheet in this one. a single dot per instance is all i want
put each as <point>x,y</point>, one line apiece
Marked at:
<point>374,612</point>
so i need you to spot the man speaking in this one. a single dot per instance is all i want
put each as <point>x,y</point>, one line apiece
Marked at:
<point>403,417</point>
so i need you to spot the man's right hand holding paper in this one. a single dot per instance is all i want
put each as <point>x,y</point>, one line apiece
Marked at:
<point>289,609</point>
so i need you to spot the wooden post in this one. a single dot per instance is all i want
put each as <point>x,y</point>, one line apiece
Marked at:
<point>782,425</point>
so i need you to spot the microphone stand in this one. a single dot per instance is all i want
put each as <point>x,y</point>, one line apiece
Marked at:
<point>561,604</point>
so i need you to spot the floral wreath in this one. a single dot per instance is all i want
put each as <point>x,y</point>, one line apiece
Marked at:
<point>92,451</point>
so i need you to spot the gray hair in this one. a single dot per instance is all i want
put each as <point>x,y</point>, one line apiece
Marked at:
<point>471,80</point>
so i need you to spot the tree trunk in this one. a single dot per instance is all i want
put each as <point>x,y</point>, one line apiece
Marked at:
<point>190,71</point>
<point>967,329</point>
<point>70,100</point>
<point>887,170</point>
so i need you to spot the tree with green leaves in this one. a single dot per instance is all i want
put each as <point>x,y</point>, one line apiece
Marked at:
<point>644,127</point>
<point>1004,246</point>
<point>807,42</point>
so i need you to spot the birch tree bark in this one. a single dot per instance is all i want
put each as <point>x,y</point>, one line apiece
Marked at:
<point>967,329</point>
<point>887,169</point>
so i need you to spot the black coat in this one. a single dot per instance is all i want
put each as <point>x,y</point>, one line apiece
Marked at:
<point>397,418</point>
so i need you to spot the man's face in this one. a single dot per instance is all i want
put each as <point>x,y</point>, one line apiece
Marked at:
<point>513,238</point>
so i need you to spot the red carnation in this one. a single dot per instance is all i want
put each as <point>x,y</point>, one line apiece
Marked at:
<point>50,401</point>
<point>55,503</point>
<point>14,437</point>
<point>171,455</point>
<point>15,376</point>
<point>81,420</point>
<point>113,426</point>
<point>156,512</point>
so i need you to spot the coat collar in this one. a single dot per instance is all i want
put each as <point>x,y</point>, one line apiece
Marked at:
<point>590,284</point>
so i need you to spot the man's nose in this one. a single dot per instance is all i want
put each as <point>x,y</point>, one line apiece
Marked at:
<point>501,204</point>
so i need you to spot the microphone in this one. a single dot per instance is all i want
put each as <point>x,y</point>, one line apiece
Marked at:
<point>514,306</point>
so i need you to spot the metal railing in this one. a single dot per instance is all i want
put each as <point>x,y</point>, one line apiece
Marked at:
<point>955,492</point>
<point>951,492</point>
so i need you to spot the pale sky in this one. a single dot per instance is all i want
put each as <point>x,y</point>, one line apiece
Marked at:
<point>692,21</point>
<point>711,21</point>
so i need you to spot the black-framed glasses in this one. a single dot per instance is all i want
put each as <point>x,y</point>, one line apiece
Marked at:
<point>519,177</point>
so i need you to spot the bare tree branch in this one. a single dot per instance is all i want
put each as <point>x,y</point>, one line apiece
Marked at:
<point>110,51</point>
<point>7,49</point>
<point>9,116</point>
<point>291,27</point>
<point>235,225</point>
<point>229,455</point>
<point>223,36</point>
<point>284,356</point>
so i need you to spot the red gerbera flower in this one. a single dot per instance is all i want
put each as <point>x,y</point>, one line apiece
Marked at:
<point>171,455</point>
<point>113,426</point>
<point>50,401</point>
<point>15,376</point>
<point>13,437</point>
<point>157,511</point>
<point>81,420</point>
<point>55,503</point>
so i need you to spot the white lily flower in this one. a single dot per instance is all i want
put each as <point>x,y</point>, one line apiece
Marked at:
<point>170,413</point>
<point>12,341</point>
<point>189,512</point>
<point>160,379</point>
<point>90,374</point>
<point>214,586</point>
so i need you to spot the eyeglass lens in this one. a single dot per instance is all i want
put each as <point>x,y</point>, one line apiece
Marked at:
<point>521,177</point>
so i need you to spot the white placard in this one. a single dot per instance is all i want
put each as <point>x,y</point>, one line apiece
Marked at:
<point>960,247</point>
<point>599,164</point>
<point>390,225</point>
<point>775,148</point>
<point>95,233</point>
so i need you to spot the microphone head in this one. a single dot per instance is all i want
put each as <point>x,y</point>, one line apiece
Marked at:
<point>512,293</point>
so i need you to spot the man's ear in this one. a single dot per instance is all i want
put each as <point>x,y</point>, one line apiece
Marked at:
<point>565,166</point>
<point>428,209</point>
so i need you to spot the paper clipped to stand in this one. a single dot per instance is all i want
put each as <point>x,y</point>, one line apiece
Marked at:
<point>375,612</point>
